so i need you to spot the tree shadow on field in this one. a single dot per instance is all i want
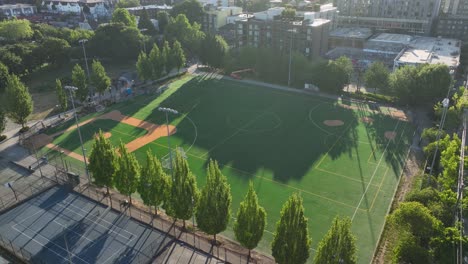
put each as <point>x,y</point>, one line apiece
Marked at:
<point>252,128</point>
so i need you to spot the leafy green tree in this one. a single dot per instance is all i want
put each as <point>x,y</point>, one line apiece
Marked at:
<point>291,243</point>
<point>61,95</point>
<point>402,83</point>
<point>167,58</point>
<point>184,195</point>
<point>19,104</point>
<point>116,41</point>
<point>163,19</point>
<point>157,62</point>
<point>416,219</point>
<point>344,63</point>
<point>192,9</point>
<point>145,22</point>
<point>450,160</point>
<point>338,245</point>
<point>55,51</point>
<point>189,35</point>
<point>430,134</point>
<point>15,29</point>
<point>144,67</point>
<point>214,207</point>
<point>443,246</point>
<point>103,162</point>
<point>251,220</point>
<point>127,3</point>
<point>288,13</point>
<point>127,172</point>
<point>99,77</point>
<point>177,55</point>
<point>4,74</point>
<point>213,50</point>
<point>330,76</point>
<point>2,122</point>
<point>154,183</point>
<point>409,250</point>
<point>377,76</point>
<point>433,82</point>
<point>122,15</point>
<point>79,81</point>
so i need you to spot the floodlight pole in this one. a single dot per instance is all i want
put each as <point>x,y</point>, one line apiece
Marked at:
<point>82,42</point>
<point>70,89</point>
<point>166,111</point>
<point>290,57</point>
<point>445,104</point>
<point>144,42</point>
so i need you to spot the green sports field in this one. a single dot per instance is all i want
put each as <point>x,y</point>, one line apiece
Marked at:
<point>279,141</point>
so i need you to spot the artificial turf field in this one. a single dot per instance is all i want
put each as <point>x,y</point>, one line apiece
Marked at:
<point>280,142</point>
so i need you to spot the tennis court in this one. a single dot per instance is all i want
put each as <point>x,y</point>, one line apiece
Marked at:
<point>60,226</point>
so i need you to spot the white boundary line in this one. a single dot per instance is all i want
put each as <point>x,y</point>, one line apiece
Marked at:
<point>50,241</point>
<point>373,175</point>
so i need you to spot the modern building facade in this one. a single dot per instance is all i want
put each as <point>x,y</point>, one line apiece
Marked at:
<point>217,17</point>
<point>271,31</point>
<point>408,16</point>
<point>453,20</point>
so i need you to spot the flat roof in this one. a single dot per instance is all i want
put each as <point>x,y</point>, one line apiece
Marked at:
<point>356,32</point>
<point>431,50</point>
<point>392,38</point>
<point>15,5</point>
<point>149,7</point>
<point>319,21</point>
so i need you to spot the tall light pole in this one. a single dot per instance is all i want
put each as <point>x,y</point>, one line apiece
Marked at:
<point>82,42</point>
<point>144,42</point>
<point>445,104</point>
<point>71,89</point>
<point>172,111</point>
<point>290,55</point>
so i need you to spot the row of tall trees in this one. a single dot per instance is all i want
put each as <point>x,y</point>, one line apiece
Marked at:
<point>179,196</point>
<point>425,222</point>
<point>154,65</point>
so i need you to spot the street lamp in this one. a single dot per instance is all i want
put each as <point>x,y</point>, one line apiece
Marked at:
<point>70,89</point>
<point>290,55</point>
<point>172,111</point>
<point>445,104</point>
<point>82,42</point>
<point>144,42</point>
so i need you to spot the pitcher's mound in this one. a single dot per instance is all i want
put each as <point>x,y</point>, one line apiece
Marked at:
<point>333,123</point>
<point>391,135</point>
<point>367,120</point>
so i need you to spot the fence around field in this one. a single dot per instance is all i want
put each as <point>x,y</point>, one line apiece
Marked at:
<point>54,171</point>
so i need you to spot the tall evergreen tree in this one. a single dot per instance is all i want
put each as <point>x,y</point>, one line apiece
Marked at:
<point>144,67</point>
<point>338,245</point>
<point>184,195</point>
<point>99,77</point>
<point>251,220</point>
<point>145,22</point>
<point>127,172</point>
<point>103,162</point>
<point>291,244</point>
<point>157,61</point>
<point>79,81</point>
<point>214,207</point>
<point>154,183</point>
<point>19,104</point>
<point>61,95</point>
<point>166,57</point>
<point>177,55</point>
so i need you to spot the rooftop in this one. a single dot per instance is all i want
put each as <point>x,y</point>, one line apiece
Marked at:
<point>432,51</point>
<point>162,7</point>
<point>392,38</point>
<point>357,33</point>
<point>8,6</point>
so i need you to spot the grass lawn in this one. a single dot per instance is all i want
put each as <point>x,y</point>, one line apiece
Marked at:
<point>279,141</point>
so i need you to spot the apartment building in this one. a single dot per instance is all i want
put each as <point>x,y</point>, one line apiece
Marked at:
<point>216,17</point>
<point>97,8</point>
<point>268,29</point>
<point>453,20</point>
<point>16,10</point>
<point>398,16</point>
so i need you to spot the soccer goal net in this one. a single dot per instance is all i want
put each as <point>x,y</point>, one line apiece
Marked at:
<point>166,160</point>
